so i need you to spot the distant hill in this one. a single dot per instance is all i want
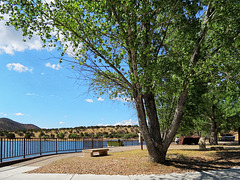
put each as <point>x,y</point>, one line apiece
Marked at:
<point>10,125</point>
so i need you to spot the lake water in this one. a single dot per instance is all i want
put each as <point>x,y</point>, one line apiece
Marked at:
<point>18,149</point>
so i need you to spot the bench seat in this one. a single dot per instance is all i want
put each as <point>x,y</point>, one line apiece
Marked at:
<point>89,152</point>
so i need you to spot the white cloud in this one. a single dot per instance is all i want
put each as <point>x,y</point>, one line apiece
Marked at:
<point>61,122</point>
<point>122,123</point>
<point>31,94</point>
<point>104,125</point>
<point>43,73</point>
<point>127,122</point>
<point>18,67</point>
<point>12,40</point>
<point>18,114</point>
<point>53,66</point>
<point>3,114</point>
<point>122,97</point>
<point>125,99</point>
<point>89,100</point>
<point>100,99</point>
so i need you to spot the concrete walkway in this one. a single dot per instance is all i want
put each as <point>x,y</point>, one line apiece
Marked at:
<point>17,171</point>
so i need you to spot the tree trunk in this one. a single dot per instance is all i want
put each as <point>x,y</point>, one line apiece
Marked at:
<point>157,148</point>
<point>153,123</point>
<point>156,154</point>
<point>179,111</point>
<point>214,131</point>
<point>202,143</point>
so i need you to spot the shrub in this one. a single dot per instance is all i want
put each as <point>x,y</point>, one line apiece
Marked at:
<point>60,135</point>
<point>28,135</point>
<point>41,134</point>
<point>20,133</point>
<point>72,135</point>
<point>2,133</point>
<point>86,134</point>
<point>46,136</point>
<point>10,135</point>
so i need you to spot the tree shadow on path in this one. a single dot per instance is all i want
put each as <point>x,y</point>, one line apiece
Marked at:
<point>221,160</point>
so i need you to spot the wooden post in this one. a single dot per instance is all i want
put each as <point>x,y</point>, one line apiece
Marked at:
<point>140,140</point>
<point>141,143</point>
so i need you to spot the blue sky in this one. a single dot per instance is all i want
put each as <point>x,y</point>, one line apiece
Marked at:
<point>36,89</point>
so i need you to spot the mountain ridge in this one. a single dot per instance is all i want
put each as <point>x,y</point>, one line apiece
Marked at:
<point>7,124</point>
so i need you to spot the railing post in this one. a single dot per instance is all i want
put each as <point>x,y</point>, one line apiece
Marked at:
<point>24,148</point>
<point>1,150</point>
<point>75,144</point>
<point>56,145</point>
<point>82,142</point>
<point>92,143</point>
<point>40,146</point>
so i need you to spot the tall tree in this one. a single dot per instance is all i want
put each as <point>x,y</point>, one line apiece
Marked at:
<point>134,48</point>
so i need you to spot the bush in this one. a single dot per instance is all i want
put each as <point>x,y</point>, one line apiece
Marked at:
<point>2,133</point>
<point>20,133</point>
<point>29,135</point>
<point>72,135</point>
<point>46,136</point>
<point>41,134</point>
<point>60,135</point>
<point>129,135</point>
<point>105,136</point>
<point>86,134</point>
<point>10,135</point>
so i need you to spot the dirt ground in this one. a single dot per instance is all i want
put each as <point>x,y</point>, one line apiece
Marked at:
<point>133,161</point>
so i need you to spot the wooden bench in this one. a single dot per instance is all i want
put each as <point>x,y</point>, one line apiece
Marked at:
<point>89,152</point>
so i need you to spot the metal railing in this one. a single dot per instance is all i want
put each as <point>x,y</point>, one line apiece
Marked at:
<point>122,142</point>
<point>19,148</point>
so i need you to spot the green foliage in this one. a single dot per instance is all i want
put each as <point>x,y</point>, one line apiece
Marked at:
<point>61,135</point>
<point>20,134</point>
<point>28,135</point>
<point>46,136</point>
<point>2,133</point>
<point>41,134</point>
<point>144,52</point>
<point>129,136</point>
<point>10,135</point>
<point>73,135</point>
<point>86,134</point>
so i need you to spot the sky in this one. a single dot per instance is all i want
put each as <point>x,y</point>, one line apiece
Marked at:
<point>36,89</point>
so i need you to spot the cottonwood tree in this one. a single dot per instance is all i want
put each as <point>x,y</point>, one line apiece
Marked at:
<point>134,48</point>
<point>213,101</point>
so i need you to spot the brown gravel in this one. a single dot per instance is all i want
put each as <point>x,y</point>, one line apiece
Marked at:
<point>135,162</point>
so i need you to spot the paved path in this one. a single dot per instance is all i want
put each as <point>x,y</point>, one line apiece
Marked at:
<point>16,171</point>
